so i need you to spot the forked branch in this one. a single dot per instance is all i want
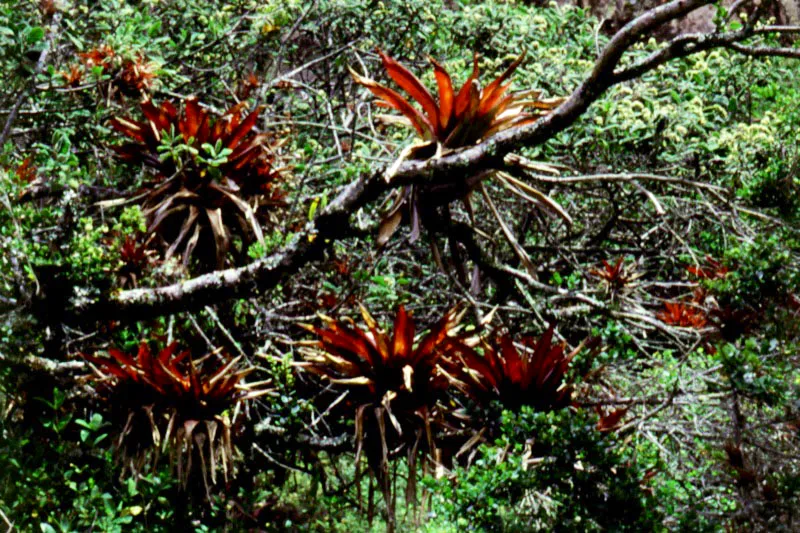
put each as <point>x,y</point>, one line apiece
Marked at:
<point>333,222</point>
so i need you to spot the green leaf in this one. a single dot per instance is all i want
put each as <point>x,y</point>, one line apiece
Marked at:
<point>313,208</point>
<point>131,486</point>
<point>35,35</point>
<point>154,29</point>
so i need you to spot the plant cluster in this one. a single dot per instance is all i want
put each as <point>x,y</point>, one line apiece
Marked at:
<point>168,401</point>
<point>400,390</point>
<point>654,210</point>
<point>212,175</point>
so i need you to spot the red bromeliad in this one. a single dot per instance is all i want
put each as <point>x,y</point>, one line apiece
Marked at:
<point>248,165</point>
<point>683,315</point>
<point>73,76</point>
<point>458,118</point>
<point>215,174</point>
<point>529,372</point>
<point>135,257</point>
<point>135,76</point>
<point>393,376</point>
<point>392,385</point>
<point>27,170</point>
<point>616,277</point>
<point>167,400</point>
<point>99,56</point>
<point>713,270</point>
<point>131,76</point>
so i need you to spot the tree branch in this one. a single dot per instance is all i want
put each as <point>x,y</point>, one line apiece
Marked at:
<point>333,222</point>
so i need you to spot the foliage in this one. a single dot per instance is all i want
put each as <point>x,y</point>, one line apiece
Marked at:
<point>58,475</point>
<point>528,480</point>
<point>663,221</point>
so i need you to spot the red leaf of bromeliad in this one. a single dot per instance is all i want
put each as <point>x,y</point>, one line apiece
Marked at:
<point>553,367</point>
<point>496,104</point>
<point>411,84</point>
<point>107,365</point>
<point>544,356</point>
<point>165,354</point>
<point>169,111</point>
<point>403,334</point>
<point>514,365</point>
<point>154,368</point>
<point>230,120</point>
<point>348,340</point>
<point>145,357</point>
<point>130,128</point>
<point>493,92</point>
<point>175,378</point>
<point>463,99</point>
<point>243,129</point>
<point>132,152</point>
<point>446,96</point>
<point>488,365</point>
<point>246,153</point>
<point>160,117</point>
<point>194,116</point>
<point>461,135</point>
<point>438,333</point>
<point>122,358</point>
<point>394,100</point>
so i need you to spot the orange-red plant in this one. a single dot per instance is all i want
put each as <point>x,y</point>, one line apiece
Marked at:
<point>131,76</point>
<point>392,377</point>
<point>392,384</point>
<point>73,76</point>
<point>455,120</point>
<point>713,270</point>
<point>170,401</point>
<point>215,173</point>
<point>615,277</point>
<point>529,372</point>
<point>248,165</point>
<point>458,118</point>
<point>682,315</point>
<point>135,76</point>
<point>247,85</point>
<point>26,171</point>
<point>610,421</point>
<point>100,56</point>
<point>135,257</point>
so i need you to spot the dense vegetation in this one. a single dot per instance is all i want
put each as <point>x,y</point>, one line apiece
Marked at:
<point>272,266</point>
